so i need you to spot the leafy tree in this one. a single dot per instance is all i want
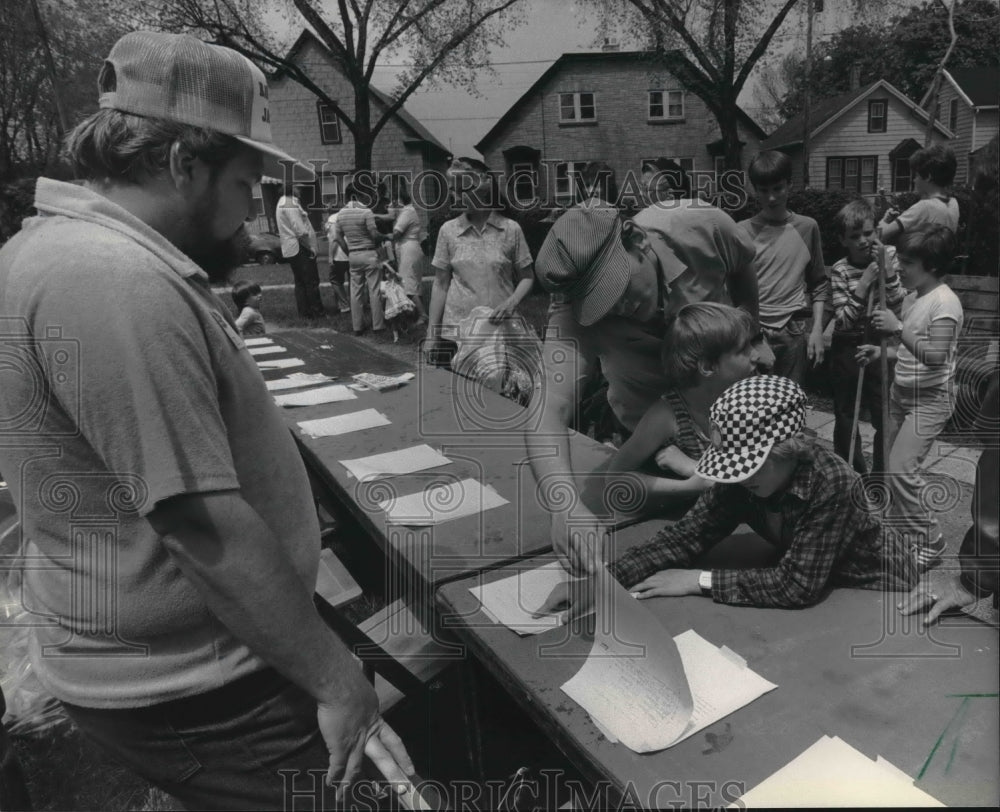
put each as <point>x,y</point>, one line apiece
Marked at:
<point>443,41</point>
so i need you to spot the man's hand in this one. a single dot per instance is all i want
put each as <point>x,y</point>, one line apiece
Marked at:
<point>578,543</point>
<point>868,277</point>
<point>671,458</point>
<point>942,591</point>
<point>868,354</point>
<point>668,583</point>
<point>814,347</point>
<point>571,599</point>
<point>504,310</point>
<point>885,321</point>
<point>352,729</point>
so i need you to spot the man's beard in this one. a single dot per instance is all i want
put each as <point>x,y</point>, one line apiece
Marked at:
<point>217,258</point>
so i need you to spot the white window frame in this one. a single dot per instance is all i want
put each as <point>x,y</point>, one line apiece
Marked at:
<point>324,123</point>
<point>577,100</point>
<point>665,104</point>
<point>565,187</point>
<point>882,119</point>
<point>687,164</point>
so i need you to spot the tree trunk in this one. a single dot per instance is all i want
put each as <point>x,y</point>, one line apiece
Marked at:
<point>728,129</point>
<point>363,140</point>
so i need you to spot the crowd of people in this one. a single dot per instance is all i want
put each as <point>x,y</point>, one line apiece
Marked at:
<point>215,555</point>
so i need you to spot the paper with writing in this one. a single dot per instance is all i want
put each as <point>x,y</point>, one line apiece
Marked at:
<point>831,773</point>
<point>267,349</point>
<point>442,503</point>
<point>513,600</point>
<point>634,680</point>
<point>281,363</point>
<point>394,463</point>
<point>314,397</point>
<point>344,423</point>
<point>297,380</point>
<point>257,342</point>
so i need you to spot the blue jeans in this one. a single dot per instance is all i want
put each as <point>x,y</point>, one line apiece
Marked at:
<point>789,346</point>
<point>224,749</point>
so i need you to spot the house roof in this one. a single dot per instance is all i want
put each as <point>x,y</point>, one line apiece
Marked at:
<point>569,59</point>
<point>420,132</point>
<point>979,86</point>
<point>826,111</point>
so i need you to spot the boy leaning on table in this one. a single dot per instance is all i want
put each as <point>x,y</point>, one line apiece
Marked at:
<point>798,496</point>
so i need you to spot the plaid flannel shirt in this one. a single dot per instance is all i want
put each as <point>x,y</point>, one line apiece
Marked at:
<point>829,535</point>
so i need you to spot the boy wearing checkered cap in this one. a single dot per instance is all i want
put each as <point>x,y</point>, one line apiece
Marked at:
<point>800,497</point>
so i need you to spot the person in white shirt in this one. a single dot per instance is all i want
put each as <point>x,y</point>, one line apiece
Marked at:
<point>339,266</point>
<point>298,246</point>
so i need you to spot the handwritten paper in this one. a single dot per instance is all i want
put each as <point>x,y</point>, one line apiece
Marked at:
<point>257,342</point>
<point>395,463</point>
<point>832,773</point>
<point>667,691</point>
<point>513,601</point>
<point>344,423</point>
<point>442,503</point>
<point>269,349</point>
<point>314,397</point>
<point>281,363</point>
<point>297,380</point>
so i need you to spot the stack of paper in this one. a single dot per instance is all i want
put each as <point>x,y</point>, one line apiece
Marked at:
<point>266,349</point>
<point>650,690</point>
<point>832,773</point>
<point>297,380</point>
<point>344,423</point>
<point>259,341</point>
<point>314,397</point>
<point>394,463</point>
<point>514,600</point>
<point>442,503</point>
<point>281,363</point>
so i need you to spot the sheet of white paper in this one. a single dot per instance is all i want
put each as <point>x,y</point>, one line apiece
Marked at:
<point>344,423</point>
<point>394,463</point>
<point>297,380</point>
<point>442,503</point>
<point>281,363</point>
<point>260,341</point>
<point>314,397</point>
<point>633,683</point>
<point>269,349</point>
<point>831,773</point>
<point>513,600</point>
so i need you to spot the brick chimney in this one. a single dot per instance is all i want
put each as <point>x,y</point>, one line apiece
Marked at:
<point>855,75</point>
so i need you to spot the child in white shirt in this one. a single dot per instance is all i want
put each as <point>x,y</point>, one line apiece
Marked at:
<point>247,296</point>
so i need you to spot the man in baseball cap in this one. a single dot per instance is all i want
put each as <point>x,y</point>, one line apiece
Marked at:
<point>176,584</point>
<point>614,283</point>
<point>797,496</point>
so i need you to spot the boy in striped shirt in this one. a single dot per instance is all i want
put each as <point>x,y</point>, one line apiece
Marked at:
<point>853,279</point>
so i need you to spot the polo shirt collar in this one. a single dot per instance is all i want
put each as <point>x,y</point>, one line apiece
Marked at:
<point>464,224</point>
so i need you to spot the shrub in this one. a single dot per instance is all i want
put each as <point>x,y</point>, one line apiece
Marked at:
<point>17,200</point>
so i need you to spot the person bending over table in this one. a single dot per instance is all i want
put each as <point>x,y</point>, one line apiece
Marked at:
<point>800,497</point>
<point>614,283</point>
<point>481,259</point>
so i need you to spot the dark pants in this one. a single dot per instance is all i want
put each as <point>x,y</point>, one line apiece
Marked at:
<point>13,789</point>
<point>844,382</point>
<point>338,272</point>
<point>789,346</point>
<point>224,749</point>
<point>306,274</point>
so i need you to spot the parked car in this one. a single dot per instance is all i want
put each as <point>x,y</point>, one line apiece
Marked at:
<point>265,247</point>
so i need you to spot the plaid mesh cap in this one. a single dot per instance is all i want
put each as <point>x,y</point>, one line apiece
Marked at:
<point>179,78</point>
<point>748,419</point>
<point>584,261</point>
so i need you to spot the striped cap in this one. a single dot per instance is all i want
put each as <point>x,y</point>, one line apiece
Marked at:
<point>748,419</point>
<point>179,78</point>
<point>584,261</point>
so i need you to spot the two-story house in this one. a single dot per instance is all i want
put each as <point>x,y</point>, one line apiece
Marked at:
<point>968,106</point>
<point>619,107</point>
<point>309,129</point>
<point>860,141</point>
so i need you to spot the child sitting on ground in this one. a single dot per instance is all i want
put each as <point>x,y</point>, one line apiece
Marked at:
<point>706,348</point>
<point>933,170</point>
<point>922,396</point>
<point>247,296</point>
<point>795,494</point>
<point>853,282</point>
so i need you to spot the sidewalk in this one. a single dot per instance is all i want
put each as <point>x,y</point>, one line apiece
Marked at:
<point>944,458</point>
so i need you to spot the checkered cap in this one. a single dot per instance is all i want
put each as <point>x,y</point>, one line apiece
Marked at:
<point>179,78</point>
<point>584,261</point>
<point>748,419</point>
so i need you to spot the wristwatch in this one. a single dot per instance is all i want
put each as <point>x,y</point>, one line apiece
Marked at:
<point>705,582</point>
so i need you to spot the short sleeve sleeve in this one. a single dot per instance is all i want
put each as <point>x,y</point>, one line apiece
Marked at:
<point>912,216</point>
<point>443,249</point>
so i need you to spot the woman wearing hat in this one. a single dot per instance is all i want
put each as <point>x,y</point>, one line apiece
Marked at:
<point>481,259</point>
<point>801,498</point>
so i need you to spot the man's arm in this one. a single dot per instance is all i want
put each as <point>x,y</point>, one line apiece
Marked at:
<point>741,281</point>
<point>231,557</point>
